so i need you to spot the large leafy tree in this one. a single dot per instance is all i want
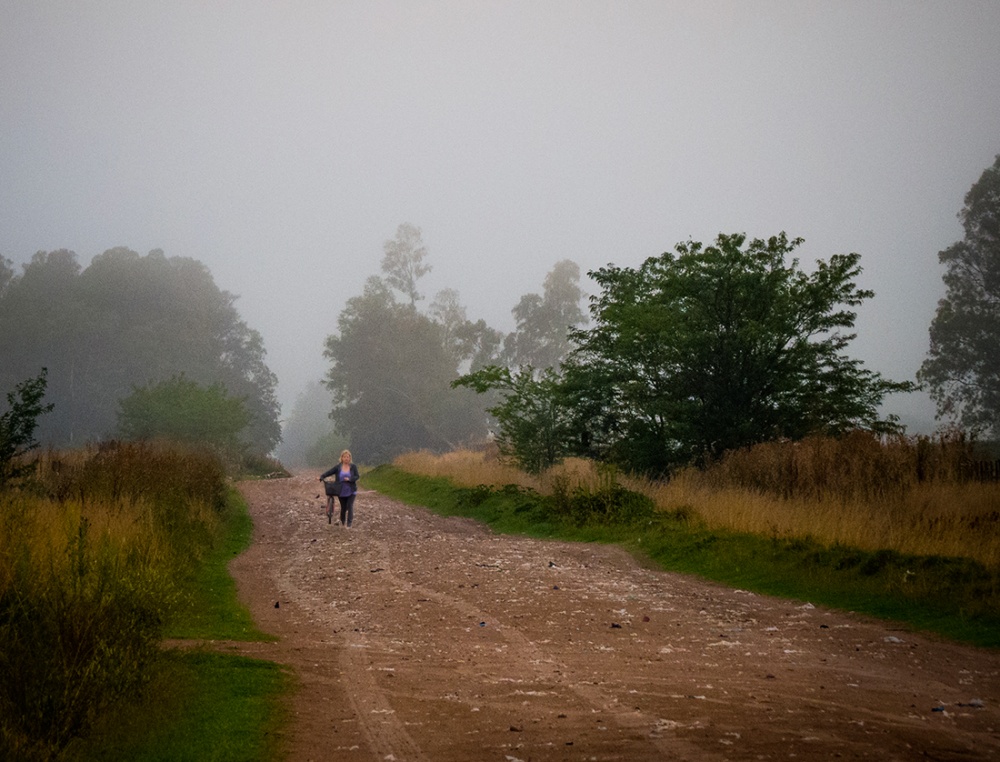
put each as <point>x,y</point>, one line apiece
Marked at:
<point>471,344</point>
<point>43,323</point>
<point>308,430</point>
<point>6,274</point>
<point>712,348</point>
<point>962,368</point>
<point>521,381</point>
<point>390,375</point>
<point>535,427</point>
<point>128,321</point>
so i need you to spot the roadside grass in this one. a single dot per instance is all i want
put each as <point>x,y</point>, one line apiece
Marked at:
<point>955,597</point>
<point>202,705</point>
<point>105,553</point>
<point>904,495</point>
<point>198,706</point>
<point>210,609</point>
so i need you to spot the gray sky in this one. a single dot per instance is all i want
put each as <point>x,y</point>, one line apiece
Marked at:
<point>281,143</point>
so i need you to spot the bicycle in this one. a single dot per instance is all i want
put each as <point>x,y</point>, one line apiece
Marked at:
<point>331,493</point>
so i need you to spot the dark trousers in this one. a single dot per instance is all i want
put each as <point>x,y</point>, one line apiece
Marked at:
<point>346,509</point>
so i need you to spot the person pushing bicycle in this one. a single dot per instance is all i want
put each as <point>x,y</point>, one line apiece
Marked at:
<point>344,487</point>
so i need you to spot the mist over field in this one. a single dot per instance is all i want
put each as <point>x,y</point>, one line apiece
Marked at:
<point>282,144</point>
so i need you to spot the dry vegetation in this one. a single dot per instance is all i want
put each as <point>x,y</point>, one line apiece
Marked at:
<point>90,551</point>
<point>910,495</point>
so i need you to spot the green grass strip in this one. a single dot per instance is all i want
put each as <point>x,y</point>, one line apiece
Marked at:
<point>199,706</point>
<point>211,609</point>
<point>953,597</point>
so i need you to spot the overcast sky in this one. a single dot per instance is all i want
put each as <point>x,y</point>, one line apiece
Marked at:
<point>282,143</point>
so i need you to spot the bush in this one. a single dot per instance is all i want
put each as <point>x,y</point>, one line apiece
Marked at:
<point>262,466</point>
<point>79,627</point>
<point>17,427</point>
<point>183,411</point>
<point>608,503</point>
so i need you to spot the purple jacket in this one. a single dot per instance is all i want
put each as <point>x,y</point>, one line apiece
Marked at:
<point>335,472</point>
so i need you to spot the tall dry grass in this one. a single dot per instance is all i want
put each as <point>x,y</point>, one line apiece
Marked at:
<point>909,495</point>
<point>90,553</point>
<point>471,468</point>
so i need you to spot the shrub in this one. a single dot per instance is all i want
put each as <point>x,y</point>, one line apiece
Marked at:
<point>184,411</point>
<point>262,466</point>
<point>606,503</point>
<point>17,427</point>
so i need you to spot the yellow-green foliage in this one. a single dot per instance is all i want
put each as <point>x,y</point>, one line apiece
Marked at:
<point>907,495</point>
<point>89,558</point>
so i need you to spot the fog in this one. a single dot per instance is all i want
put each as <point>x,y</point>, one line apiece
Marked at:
<point>282,143</point>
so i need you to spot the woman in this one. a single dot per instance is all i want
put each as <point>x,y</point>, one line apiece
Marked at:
<point>345,487</point>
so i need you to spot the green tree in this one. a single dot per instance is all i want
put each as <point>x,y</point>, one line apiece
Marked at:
<point>716,348</point>
<point>244,372</point>
<point>962,368</point>
<point>471,344</point>
<point>447,311</point>
<point>534,425</point>
<point>403,262</point>
<point>44,324</point>
<point>17,427</point>
<point>183,411</point>
<point>480,345</point>
<point>543,322</point>
<point>390,377</point>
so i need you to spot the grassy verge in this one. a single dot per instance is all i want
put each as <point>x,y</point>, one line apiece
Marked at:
<point>211,610</point>
<point>201,705</point>
<point>954,597</point>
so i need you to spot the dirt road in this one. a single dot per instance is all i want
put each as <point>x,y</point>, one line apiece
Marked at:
<point>416,637</point>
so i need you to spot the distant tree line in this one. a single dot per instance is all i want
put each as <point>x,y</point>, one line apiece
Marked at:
<point>695,352</point>
<point>709,349</point>
<point>153,329</point>
<point>392,362</point>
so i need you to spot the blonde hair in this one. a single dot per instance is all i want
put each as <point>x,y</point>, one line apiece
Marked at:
<point>347,453</point>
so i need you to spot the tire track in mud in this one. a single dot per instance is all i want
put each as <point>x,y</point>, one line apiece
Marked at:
<point>418,637</point>
<point>527,658</point>
<point>377,722</point>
